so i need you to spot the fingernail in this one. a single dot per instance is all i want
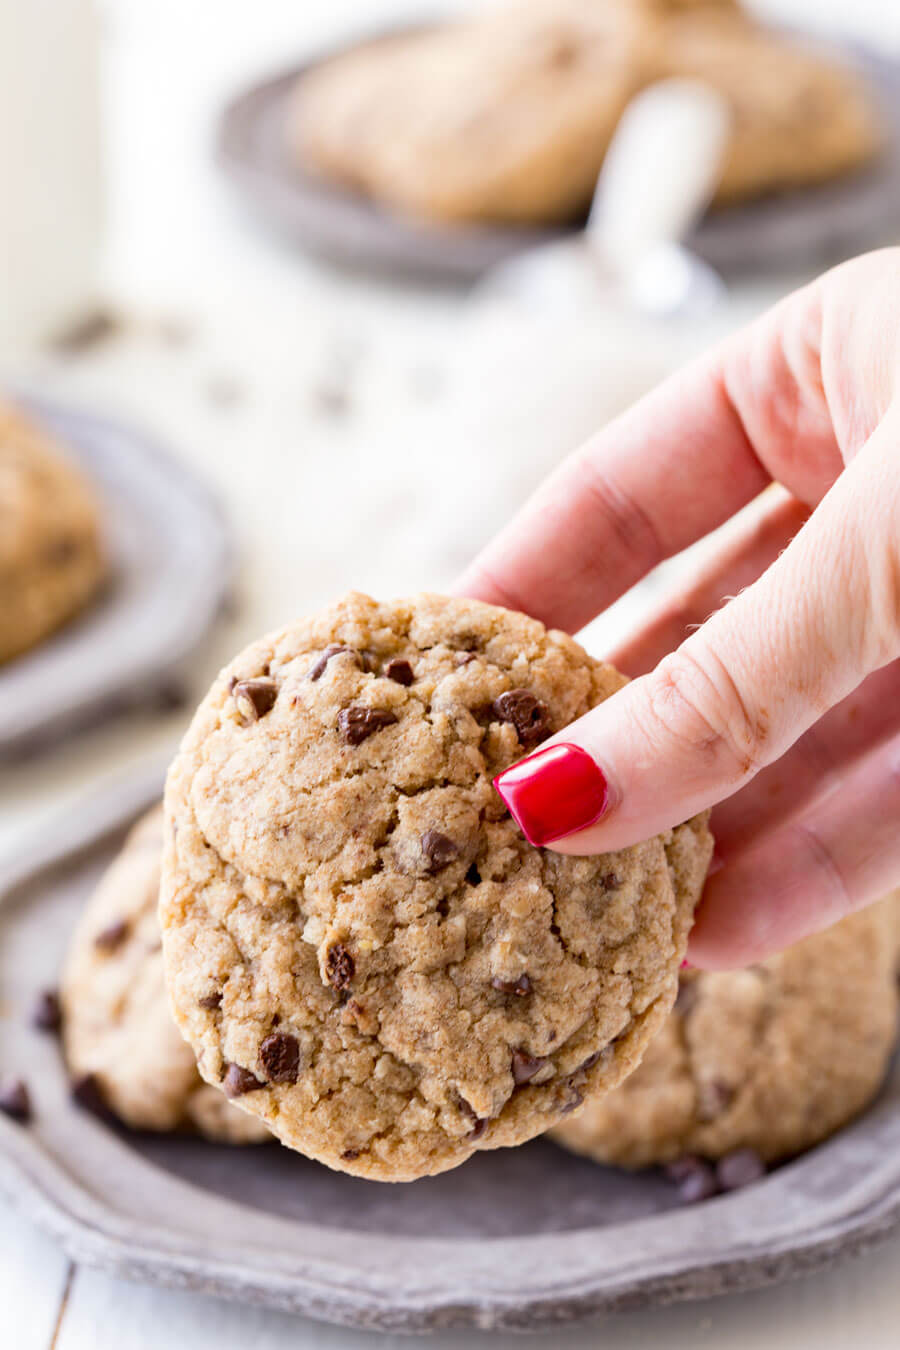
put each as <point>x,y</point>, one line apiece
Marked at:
<point>554,792</point>
<point>686,965</point>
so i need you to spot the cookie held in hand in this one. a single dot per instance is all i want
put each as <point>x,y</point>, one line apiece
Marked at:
<point>360,945</point>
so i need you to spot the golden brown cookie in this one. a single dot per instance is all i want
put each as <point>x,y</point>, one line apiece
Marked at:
<point>118,1035</point>
<point>51,556</point>
<point>774,1058</point>
<point>360,945</point>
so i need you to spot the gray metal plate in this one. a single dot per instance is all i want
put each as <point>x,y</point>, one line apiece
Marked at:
<point>517,1238</point>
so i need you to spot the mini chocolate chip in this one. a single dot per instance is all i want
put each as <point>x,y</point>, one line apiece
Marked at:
<point>46,1014</point>
<point>86,1091</point>
<point>520,986</point>
<point>239,1080</point>
<point>401,672</point>
<point>611,881</point>
<point>694,1178</point>
<point>255,697</point>
<point>14,1099</point>
<point>108,939</point>
<point>713,1098</point>
<point>529,716</point>
<point>525,1066</point>
<point>740,1168</point>
<point>477,1129</point>
<point>279,1054</point>
<point>316,671</point>
<point>357,723</point>
<point>591,1060</point>
<point>349,1154</point>
<point>210,1001</point>
<point>439,851</point>
<point>571,1099</point>
<point>339,967</point>
<point>473,876</point>
<point>443,907</point>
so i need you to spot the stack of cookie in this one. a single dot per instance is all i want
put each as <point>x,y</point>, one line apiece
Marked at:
<point>506,117</point>
<point>366,959</point>
<point>51,556</point>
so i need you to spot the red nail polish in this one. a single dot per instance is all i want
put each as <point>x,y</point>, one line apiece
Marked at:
<point>554,792</point>
<point>686,965</point>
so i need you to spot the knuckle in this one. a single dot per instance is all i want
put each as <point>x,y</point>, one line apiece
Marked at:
<point>622,517</point>
<point>695,700</point>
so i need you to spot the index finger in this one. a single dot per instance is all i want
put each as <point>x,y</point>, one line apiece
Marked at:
<point>675,466</point>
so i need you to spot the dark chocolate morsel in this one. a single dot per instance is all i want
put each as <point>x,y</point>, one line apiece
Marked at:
<point>349,1154</point>
<point>239,1080</point>
<point>255,697</point>
<point>357,723</point>
<point>339,967</point>
<point>520,986</point>
<point>14,1100</point>
<point>529,716</point>
<point>86,1091</point>
<point>210,1001</point>
<point>46,1014</point>
<point>317,670</point>
<point>438,850</point>
<point>279,1055</point>
<point>401,672</point>
<point>525,1066</point>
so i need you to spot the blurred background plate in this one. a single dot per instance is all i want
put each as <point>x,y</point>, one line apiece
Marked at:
<point>171,567</point>
<point>515,1238</point>
<point>806,228</point>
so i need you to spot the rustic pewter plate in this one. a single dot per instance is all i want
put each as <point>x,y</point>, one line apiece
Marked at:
<point>804,229</point>
<point>517,1238</point>
<point>170,567</point>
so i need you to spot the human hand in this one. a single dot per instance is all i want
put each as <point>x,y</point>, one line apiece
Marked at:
<point>782,709</point>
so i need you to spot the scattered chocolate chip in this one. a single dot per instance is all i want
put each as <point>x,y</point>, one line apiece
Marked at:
<point>14,1099</point>
<point>529,716</point>
<point>591,1060</point>
<point>694,1178</point>
<point>357,723</point>
<point>611,881</point>
<point>477,1129</point>
<point>473,876</point>
<point>571,1098</point>
<point>317,670</point>
<point>255,697</point>
<point>713,1098</point>
<point>46,1014</point>
<point>443,907</point>
<point>279,1055</point>
<point>349,1154</point>
<point>401,672</point>
<point>520,986</point>
<point>86,1091</point>
<point>239,1080</point>
<point>525,1066</point>
<point>210,1001</point>
<point>108,939</point>
<point>740,1168</point>
<point>438,850</point>
<point>339,967</point>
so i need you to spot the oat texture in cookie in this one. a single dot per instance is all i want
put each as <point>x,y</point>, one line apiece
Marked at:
<point>51,555</point>
<point>771,1059</point>
<point>122,1048</point>
<point>360,945</point>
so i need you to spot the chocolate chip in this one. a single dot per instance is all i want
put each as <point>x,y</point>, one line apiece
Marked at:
<point>591,1060</point>
<point>86,1091</point>
<point>14,1099</point>
<point>316,671</point>
<point>46,1014</point>
<point>255,697</point>
<point>528,715</point>
<point>525,1066</point>
<point>464,658</point>
<point>740,1168</point>
<point>520,986</point>
<point>611,881</point>
<point>108,939</point>
<point>401,672</point>
<point>473,876</point>
<point>349,1154</point>
<point>357,723</point>
<point>279,1054</point>
<point>210,1001</point>
<point>443,907</point>
<point>571,1098</point>
<point>477,1129</point>
<point>339,967</point>
<point>238,1080</point>
<point>713,1098</point>
<point>694,1178</point>
<point>438,850</point>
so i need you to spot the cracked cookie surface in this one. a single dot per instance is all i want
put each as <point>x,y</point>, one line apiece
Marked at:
<point>118,1032</point>
<point>360,945</point>
<point>774,1058</point>
<point>51,557</point>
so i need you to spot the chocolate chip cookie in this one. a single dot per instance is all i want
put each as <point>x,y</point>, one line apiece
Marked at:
<point>771,1059</point>
<point>360,945</point>
<point>51,556</point>
<point>123,1050</point>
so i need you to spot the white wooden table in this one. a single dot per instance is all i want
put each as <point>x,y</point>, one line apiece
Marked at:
<point>240,376</point>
